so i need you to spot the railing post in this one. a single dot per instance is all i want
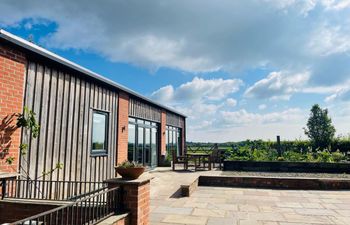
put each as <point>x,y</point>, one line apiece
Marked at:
<point>134,197</point>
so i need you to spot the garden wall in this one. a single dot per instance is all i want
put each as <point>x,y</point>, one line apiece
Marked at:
<point>301,167</point>
<point>11,211</point>
<point>275,183</point>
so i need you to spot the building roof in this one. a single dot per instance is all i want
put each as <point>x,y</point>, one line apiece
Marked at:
<point>52,56</point>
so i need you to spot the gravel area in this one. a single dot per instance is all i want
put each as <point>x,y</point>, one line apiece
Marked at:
<point>282,174</point>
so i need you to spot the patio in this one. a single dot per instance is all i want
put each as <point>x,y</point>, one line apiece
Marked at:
<point>214,205</point>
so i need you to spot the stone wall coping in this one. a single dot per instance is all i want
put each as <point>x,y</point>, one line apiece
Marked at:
<point>113,219</point>
<point>139,181</point>
<point>282,178</point>
<point>36,201</point>
<point>5,175</point>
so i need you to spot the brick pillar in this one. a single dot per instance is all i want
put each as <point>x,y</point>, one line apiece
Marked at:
<point>162,137</point>
<point>123,116</point>
<point>135,198</point>
<point>12,76</point>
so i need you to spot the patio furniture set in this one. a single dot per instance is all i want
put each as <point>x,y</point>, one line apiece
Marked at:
<point>199,160</point>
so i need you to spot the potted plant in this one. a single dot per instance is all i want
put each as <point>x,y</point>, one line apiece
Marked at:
<point>130,170</point>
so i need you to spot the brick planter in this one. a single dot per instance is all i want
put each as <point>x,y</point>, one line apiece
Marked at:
<point>276,183</point>
<point>301,167</point>
<point>135,198</point>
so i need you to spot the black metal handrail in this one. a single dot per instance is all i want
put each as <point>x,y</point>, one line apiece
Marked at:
<point>51,190</point>
<point>88,210</point>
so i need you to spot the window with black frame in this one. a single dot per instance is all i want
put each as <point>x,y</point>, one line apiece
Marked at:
<point>99,133</point>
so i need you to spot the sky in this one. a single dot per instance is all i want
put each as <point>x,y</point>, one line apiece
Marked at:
<point>238,69</point>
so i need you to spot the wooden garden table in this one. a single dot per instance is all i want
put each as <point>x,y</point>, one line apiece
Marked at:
<point>200,157</point>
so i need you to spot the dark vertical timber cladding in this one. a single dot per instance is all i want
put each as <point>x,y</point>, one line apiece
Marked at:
<point>175,120</point>
<point>64,103</point>
<point>143,110</point>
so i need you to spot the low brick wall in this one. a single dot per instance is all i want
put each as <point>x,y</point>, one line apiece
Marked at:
<point>11,211</point>
<point>135,198</point>
<point>188,189</point>
<point>275,183</point>
<point>305,167</point>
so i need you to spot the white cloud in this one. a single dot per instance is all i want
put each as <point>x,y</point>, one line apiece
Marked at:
<point>231,102</point>
<point>262,106</point>
<point>336,4</point>
<point>241,117</point>
<point>341,94</point>
<point>164,94</point>
<point>329,40</point>
<point>197,35</point>
<point>241,124</point>
<point>198,90</point>
<point>203,36</point>
<point>277,85</point>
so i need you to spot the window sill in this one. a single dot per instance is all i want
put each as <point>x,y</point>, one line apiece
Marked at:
<point>98,154</point>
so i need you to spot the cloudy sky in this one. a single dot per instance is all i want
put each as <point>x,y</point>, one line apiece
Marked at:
<point>238,69</point>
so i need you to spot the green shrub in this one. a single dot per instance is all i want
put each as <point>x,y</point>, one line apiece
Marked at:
<point>246,153</point>
<point>293,156</point>
<point>128,164</point>
<point>324,156</point>
<point>338,156</point>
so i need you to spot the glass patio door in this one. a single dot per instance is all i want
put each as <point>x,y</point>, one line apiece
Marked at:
<point>143,142</point>
<point>154,147</point>
<point>147,147</point>
<point>140,145</point>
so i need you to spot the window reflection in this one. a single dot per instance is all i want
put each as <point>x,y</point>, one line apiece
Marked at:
<point>99,132</point>
<point>143,142</point>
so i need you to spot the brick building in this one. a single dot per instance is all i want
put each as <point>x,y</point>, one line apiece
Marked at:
<point>87,122</point>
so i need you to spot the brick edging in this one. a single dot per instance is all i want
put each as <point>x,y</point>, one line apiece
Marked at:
<point>275,182</point>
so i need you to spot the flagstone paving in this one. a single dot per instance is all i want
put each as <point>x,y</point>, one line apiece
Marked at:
<point>240,206</point>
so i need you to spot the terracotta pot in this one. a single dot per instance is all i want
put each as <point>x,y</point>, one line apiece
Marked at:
<point>130,173</point>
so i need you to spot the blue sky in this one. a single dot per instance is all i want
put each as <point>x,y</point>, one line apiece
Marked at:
<point>238,69</point>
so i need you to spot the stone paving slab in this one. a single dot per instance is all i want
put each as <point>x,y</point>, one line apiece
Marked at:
<point>240,206</point>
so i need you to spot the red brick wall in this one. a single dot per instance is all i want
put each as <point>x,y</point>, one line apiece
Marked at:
<point>14,211</point>
<point>123,117</point>
<point>162,133</point>
<point>124,221</point>
<point>135,198</point>
<point>12,76</point>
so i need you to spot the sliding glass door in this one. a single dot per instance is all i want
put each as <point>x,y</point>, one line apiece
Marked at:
<point>143,142</point>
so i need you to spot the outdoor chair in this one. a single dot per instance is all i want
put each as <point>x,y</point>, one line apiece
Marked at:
<point>179,160</point>
<point>216,157</point>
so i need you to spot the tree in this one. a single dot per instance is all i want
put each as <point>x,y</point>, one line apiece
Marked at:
<point>319,129</point>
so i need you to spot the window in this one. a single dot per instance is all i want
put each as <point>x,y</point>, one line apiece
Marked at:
<point>99,133</point>
<point>173,140</point>
<point>131,142</point>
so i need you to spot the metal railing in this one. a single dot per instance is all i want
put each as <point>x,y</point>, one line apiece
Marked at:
<point>51,190</point>
<point>89,210</point>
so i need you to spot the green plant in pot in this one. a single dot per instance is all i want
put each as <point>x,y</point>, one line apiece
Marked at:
<point>130,170</point>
